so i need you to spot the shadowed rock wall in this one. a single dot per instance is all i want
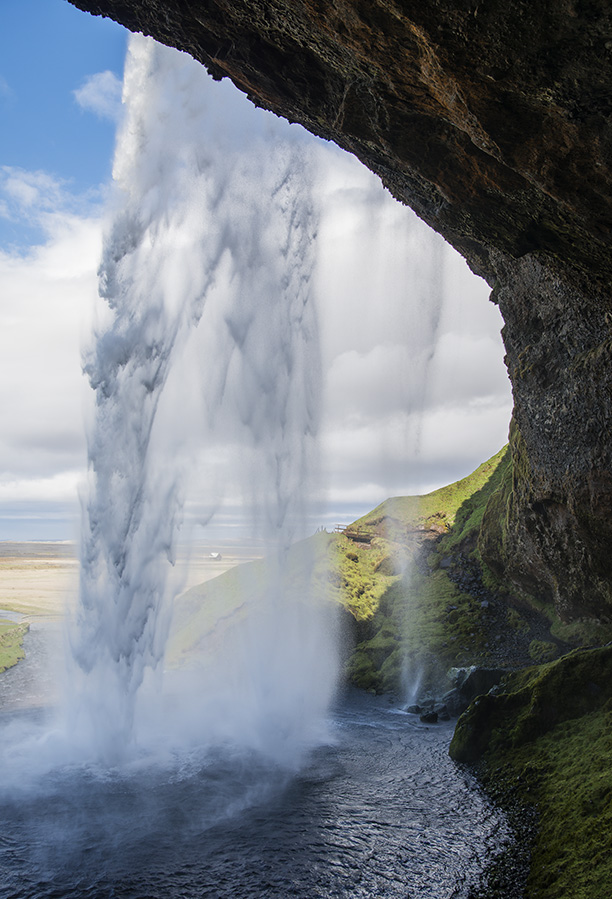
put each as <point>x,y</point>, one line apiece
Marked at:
<point>491,118</point>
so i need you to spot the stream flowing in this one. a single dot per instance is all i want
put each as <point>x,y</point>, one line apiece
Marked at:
<point>378,810</point>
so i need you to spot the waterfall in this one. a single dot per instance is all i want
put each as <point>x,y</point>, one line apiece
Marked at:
<point>206,366</point>
<point>206,234</point>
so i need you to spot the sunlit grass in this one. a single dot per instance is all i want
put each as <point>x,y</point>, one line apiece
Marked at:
<point>11,643</point>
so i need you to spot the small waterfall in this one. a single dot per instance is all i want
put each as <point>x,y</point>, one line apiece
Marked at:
<point>205,233</point>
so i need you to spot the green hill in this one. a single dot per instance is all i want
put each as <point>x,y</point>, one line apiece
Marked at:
<point>407,578</point>
<point>416,598</point>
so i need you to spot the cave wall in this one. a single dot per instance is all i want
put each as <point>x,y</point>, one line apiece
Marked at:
<point>491,119</point>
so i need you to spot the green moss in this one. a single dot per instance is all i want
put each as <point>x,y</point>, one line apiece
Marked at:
<point>496,535</point>
<point>11,643</point>
<point>424,625</point>
<point>571,782</point>
<point>362,572</point>
<point>470,515</point>
<point>397,517</point>
<point>494,521</point>
<point>362,671</point>
<point>516,622</point>
<point>543,651</point>
<point>583,632</point>
<point>534,700</point>
<point>547,742</point>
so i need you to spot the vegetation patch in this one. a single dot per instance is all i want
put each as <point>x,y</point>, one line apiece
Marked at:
<point>419,597</point>
<point>11,643</point>
<point>543,651</point>
<point>545,742</point>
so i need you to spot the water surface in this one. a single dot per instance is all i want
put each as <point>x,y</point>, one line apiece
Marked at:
<point>379,811</point>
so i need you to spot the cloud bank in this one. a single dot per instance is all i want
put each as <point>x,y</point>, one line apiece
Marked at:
<point>101,94</point>
<point>415,393</point>
<point>47,295</point>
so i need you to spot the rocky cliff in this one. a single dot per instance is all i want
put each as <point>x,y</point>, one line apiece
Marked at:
<point>492,120</point>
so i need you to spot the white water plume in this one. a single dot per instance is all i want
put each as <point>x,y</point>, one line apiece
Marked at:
<point>224,224</point>
<point>205,232</point>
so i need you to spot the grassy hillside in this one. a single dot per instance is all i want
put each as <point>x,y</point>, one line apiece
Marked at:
<point>11,643</point>
<point>445,609</point>
<point>401,516</point>
<point>417,600</point>
<point>545,742</point>
<point>408,576</point>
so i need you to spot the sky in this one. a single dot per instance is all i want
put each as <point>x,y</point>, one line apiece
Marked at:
<point>415,391</point>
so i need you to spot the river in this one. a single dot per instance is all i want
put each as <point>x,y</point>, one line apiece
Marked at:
<point>378,811</point>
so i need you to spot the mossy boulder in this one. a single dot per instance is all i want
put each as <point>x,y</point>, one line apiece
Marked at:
<point>544,751</point>
<point>532,702</point>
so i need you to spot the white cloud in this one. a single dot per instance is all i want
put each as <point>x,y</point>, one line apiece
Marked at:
<point>416,392</point>
<point>47,295</point>
<point>25,192</point>
<point>61,487</point>
<point>42,202</point>
<point>101,94</point>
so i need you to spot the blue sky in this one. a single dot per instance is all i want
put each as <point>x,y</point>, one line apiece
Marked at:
<point>48,49</point>
<point>60,74</point>
<point>55,165</point>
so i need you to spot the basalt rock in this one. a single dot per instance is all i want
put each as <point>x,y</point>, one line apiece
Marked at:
<point>492,121</point>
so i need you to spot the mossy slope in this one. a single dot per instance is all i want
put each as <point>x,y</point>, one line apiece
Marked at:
<point>415,606</point>
<point>11,643</point>
<point>411,576</point>
<point>546,741</point>
<point>401,516</point>
<point>447,608</point>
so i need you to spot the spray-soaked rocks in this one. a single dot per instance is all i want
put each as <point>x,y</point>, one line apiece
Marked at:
<point>468,683</point>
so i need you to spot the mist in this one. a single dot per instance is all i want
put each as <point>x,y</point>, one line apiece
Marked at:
<point>219,384</point>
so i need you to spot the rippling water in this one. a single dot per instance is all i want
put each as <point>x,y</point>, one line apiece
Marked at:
<point>380,811</point>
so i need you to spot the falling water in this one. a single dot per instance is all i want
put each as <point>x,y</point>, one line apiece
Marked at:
<point>203,234</point>
<point>222,778</point>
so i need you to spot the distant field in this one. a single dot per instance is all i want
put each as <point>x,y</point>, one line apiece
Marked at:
<point>40,579</point>
<point>37,579</point>
<point>57,551</point>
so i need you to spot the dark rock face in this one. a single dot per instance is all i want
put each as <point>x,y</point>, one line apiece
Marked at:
<point>492,120</point>
<point>558,540</point>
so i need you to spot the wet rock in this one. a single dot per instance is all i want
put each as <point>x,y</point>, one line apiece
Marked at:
<point>454,702</point>
<point>429,717</point>
<point>470,683</point>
